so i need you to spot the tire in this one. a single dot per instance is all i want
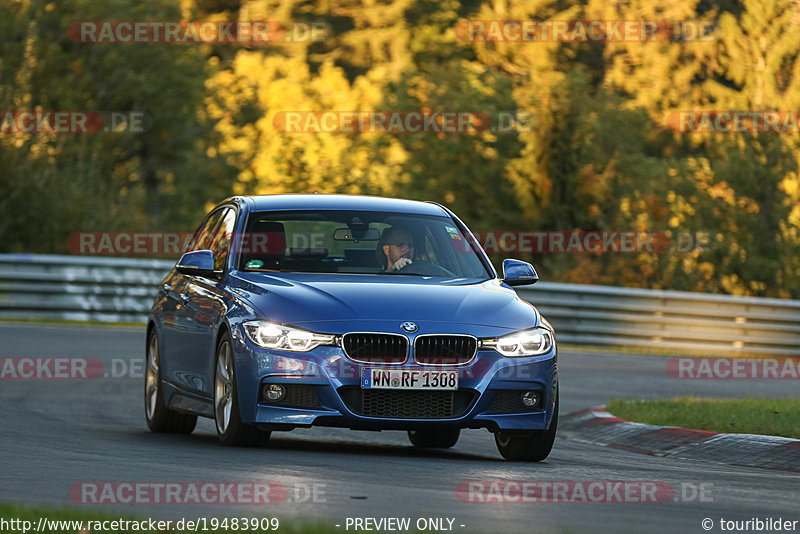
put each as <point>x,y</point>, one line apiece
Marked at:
<point>434,439</point>
<point>227,417</point>
<point>533,447</point>
<point>159,417</point>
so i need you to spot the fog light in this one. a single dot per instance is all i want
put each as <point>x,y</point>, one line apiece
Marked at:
<point>530,399</point>
<point>274,392</point>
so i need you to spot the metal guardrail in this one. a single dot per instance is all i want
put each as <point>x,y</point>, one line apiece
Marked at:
<point>84,288</point>
<point>603,315</point>
<point>81,288</point>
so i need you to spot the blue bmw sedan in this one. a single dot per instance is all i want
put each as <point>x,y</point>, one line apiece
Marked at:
<point>349,311</point>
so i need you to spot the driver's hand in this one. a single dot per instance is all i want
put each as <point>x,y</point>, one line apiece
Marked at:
<point>399,264</point>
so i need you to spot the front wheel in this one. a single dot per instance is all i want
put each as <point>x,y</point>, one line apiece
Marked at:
<point>230,428</point>
<point>434,439</point>
<point>159,417</point>
<point>533,447</point>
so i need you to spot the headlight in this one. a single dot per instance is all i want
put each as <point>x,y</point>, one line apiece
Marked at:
<point>531,342</point>
<point>277,336</point>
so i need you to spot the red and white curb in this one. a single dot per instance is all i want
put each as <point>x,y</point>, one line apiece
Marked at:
<point>597,426</point>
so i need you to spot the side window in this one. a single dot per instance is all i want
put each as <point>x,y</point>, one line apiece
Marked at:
<point>205,234</point>
<point>221,243</point>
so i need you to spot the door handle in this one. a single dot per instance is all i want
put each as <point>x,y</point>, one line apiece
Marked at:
<point>185,297</point>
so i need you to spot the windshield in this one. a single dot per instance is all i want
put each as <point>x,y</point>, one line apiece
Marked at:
<point>343,241</point>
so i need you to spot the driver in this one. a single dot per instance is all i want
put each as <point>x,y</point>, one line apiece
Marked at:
<point>398,249</point>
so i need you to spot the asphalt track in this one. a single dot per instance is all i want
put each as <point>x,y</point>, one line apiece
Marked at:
<point>56,433</point>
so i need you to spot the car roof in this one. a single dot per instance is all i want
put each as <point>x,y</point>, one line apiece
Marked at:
<point>342,202</point>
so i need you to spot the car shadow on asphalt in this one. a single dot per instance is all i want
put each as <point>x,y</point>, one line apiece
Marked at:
<point>317,446</point>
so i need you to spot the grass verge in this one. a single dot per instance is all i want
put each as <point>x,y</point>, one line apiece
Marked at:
<point>656,351</point>
<point>72,322</point>
<point>775,417</point>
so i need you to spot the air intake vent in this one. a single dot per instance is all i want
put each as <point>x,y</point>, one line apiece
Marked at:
<point>510,401</point>
<point>408,404</point>
<point>297,395</point>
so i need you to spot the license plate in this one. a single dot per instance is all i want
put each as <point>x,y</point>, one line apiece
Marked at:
<point>408,379</point>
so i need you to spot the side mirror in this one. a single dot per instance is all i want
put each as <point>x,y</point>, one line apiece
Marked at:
<point>519,273</point>
<point>198,262</point>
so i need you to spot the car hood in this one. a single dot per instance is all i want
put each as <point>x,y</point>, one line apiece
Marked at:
<point>338,303</point>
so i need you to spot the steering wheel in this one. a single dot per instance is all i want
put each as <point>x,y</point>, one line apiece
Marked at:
<point>426,268</point>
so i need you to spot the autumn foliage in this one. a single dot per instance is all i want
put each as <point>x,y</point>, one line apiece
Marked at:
<point>598,149</point>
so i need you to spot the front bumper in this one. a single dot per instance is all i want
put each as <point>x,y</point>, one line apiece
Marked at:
<point>332,394</point>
